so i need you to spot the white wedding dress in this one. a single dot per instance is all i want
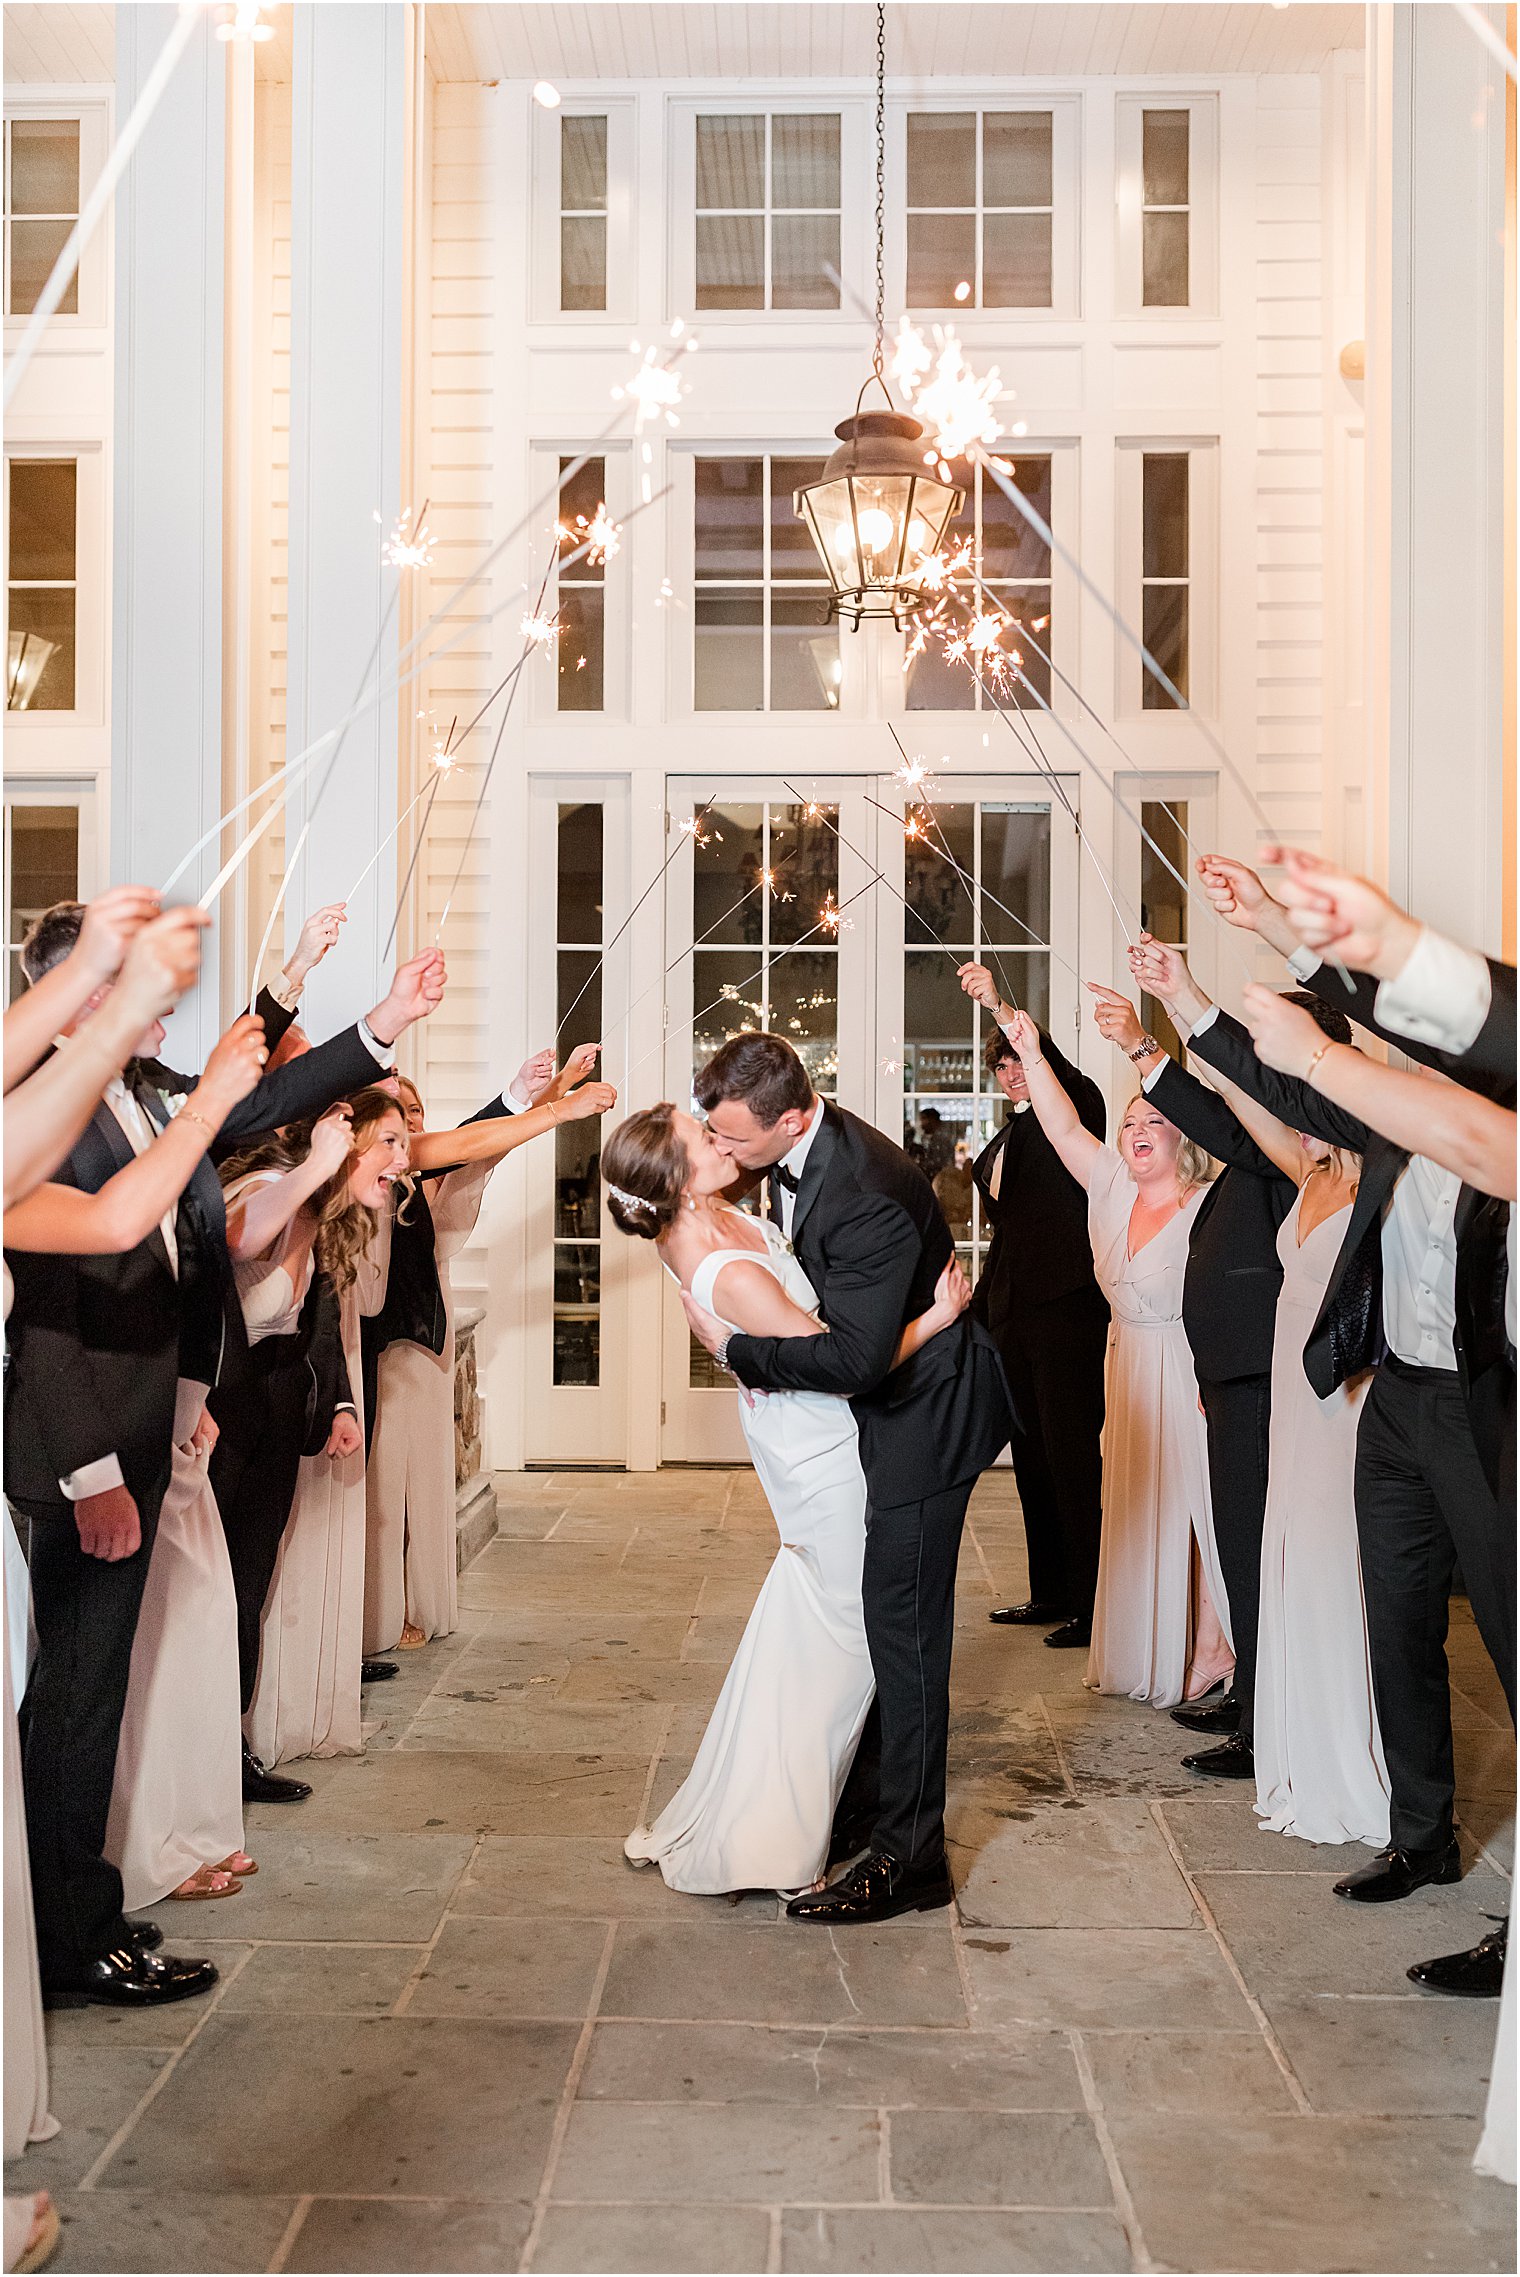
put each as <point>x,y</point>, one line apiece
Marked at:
<point>756,1808</point>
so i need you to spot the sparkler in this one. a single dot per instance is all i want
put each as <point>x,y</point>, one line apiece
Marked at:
<point>689,829</point>
<point>408,548</point>
<point>813,811</point>
<point>766,882</point>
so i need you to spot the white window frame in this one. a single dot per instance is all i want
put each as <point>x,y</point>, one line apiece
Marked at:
<point>42,790</point>
<point>543,693</point>
<point>621,114</point>
<point>681,206</point>
<point>681,467</point>
<point>1066,185</point>
<point>90,587</point>
<point>1199,791</point>
<point>1202,453</point>
<point>93,116</point>
<point>1203,205</point>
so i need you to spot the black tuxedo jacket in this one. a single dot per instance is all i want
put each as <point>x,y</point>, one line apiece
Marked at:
<point>873,1241</point>
<point>1347,1337</point>
<point>97,1344</point>
<point>1234,1274</point>
<point>1040,1250</point>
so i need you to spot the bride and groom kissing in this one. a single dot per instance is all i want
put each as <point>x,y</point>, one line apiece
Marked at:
<point>871,1403</point>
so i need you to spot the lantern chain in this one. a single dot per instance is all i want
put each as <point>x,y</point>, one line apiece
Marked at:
<point>881,183</point>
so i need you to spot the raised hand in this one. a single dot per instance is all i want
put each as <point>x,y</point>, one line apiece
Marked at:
<point>235,1066</point>
<point>979,984</point>
<point>575,1071</point>
<point>1236,892</point>
<point>316,937</point>
<point>1347,918</point>
<point>112,921</point>
<point>533,1078</point>
<point>1024,1037</point>
<point>1116,1017</point>
<point>415,991</point>
<point>332,1139</point>
<point>1161,971</point>
<point>590,1099</point>
<point>163,961</point>
<point>1285,1035</point>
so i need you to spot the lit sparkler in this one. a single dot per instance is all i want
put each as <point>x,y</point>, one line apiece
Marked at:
<point>655,388</point>
<point>538,630</point>
<point>408,548</point>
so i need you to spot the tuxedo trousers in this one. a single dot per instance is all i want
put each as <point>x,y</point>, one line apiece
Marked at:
<point>1237,1422</point>
<point>1053,1357</point>
<point>908,1591</point>
<point>255,1465</point>
<point>1423,1506</point>
<point>86,1612</point>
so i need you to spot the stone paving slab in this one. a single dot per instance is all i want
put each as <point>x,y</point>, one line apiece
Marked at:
<point>423,1790</point>
<point>901,1973</point>
<point>1389,2054</point>
<point>119,2233</point>
<point>1102,1979</point>
<point>321,1980</point>
<point>658,2239</point>
<point>1078,1865</point>
<point>365,1887</point>
<point>997,2158</point>
<point>1289,1936</point>
<point>506,1968</point>
<point>748,2063</point>
<point>585,1876</point>
<point>436,2235</point>
<point>718,2154</point>
<point>1183,2070</point>
<point>903,2239</point>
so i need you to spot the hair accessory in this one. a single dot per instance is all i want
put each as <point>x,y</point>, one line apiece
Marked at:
<point>629,1201</point>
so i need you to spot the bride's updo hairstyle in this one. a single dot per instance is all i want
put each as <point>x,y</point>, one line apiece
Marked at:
<point>645,1169</point>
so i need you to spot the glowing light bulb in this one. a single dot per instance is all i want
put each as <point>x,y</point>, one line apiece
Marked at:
<point>546,96</point>
<point>963,290</point>
<point>877,528</point>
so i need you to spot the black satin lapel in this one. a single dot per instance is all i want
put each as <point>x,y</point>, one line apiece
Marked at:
<point>820,1154</point>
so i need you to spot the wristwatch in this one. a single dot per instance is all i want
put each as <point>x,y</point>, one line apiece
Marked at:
<point>1144,1048</point>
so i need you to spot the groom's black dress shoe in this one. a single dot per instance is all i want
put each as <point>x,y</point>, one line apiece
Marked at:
<point>1399,1873</point>
<point>377,1671</point>
<point>1232,1761</point>
<point>144,1936</point>
<point>1477,1974</point>
<point>1221,1716</point>
<point>1025,1616</point>
<point>1072,1633</point>
<point>261,1786</point>
<point>130,1979</point>
<point>875,1890</point>
<point>848,1838</point>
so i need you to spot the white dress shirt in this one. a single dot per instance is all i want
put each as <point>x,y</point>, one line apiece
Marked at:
<point>1442,996</point>
<point>793,1163</point>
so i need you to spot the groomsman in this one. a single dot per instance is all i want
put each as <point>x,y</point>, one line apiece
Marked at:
<point>1039,1300</point>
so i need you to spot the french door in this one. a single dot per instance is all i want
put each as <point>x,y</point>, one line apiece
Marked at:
<point>834,911</point>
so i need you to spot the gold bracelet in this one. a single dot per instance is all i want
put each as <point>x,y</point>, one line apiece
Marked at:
<point>1327,1046</point>
<point>194,1115</point>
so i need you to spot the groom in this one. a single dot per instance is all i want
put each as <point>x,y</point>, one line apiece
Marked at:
<point>868,1233</point>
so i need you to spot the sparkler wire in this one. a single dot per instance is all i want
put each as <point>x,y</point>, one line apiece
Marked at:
<point>876,878</point>
<point>690,949</point>
<point>601,957</point>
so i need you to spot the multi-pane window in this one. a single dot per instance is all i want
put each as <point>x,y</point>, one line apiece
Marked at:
<point>1165,215</point>
<point>583,212</point>
<point>1163,900</point>
<point>1001,919</point>
<point>582,591</point>
<point>42,586</point>
<point>763,875</point>
<point>577,1146</point>
<point>41,867</point>
<point>1164,573</point>
<point>981,206</point>
<point>762,638</point>
<point>1015,569</point>
<point>767,210</point>
<point>41,207</point>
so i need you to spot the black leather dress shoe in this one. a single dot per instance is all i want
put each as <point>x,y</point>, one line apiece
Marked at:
<point>1477,1974</point>
<point>1025,1616</point>
<point>876,1890</point>
<point>129,1979</point>
<point>262,1786</point>
<point>1219,1717</point>
<point>1071,1635</point>
<point>144,1936</point>
<point>848,1840</point>
<point>377,1671</point>
<point>1232,1761</point>
<point>1399,1873</point>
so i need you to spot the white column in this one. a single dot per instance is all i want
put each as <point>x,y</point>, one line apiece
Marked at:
<point>349,132</point>
<point>166,649</point>
<point>1435,344</point>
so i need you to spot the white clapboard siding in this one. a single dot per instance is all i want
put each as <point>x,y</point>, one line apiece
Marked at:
<point>271,425</point>
<point>460,453</point>
<point>1289,456</point>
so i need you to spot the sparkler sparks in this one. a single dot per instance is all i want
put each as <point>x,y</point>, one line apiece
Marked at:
<point>408,548</point>
<point>538,629</point>
<point>954,404</point>
<point>655,388</point>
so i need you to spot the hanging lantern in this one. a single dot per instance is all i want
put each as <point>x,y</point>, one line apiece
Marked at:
<point>877,514</point>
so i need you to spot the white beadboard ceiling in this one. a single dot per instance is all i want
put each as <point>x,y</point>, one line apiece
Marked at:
<point>48,40</point>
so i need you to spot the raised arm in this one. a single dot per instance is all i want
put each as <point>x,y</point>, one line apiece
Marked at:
<point>1428,1114</point>
<point>260,1213</point>
<point>1232,1128</point>
<point>1078,1149</point>
<point>112,921</point>
<point>497,1135</point>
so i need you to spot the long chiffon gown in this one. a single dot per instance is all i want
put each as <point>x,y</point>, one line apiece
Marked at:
<point>756,1808</point>
<point>1320,1772</point>
<point>306,1699</point>
<point>177,1803</point>
<point>1156,1505</point>
<point>412,1571</point>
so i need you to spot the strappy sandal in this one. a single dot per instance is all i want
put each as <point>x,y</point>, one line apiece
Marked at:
<point>42,2237</point>
<point>239,1863</point>
<point>207,1882</point>
<point>410,1639</point>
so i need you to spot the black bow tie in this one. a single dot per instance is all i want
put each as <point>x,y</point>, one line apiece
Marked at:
<point>785,1177</point>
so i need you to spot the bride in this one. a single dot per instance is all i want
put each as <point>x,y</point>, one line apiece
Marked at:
<point>756,1808</point>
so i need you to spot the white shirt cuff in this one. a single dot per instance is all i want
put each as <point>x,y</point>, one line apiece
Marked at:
<point>1304,963</point>
<point>93,1478</point>
<point>1204,1020</point>
<point>1441,997</point>
<point>513,1106</point>
<point>286,993</point>
<point>1160,1068</point>
<point>385,1054</point>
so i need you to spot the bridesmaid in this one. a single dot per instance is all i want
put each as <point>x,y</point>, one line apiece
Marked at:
<point>1157,1632</point>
